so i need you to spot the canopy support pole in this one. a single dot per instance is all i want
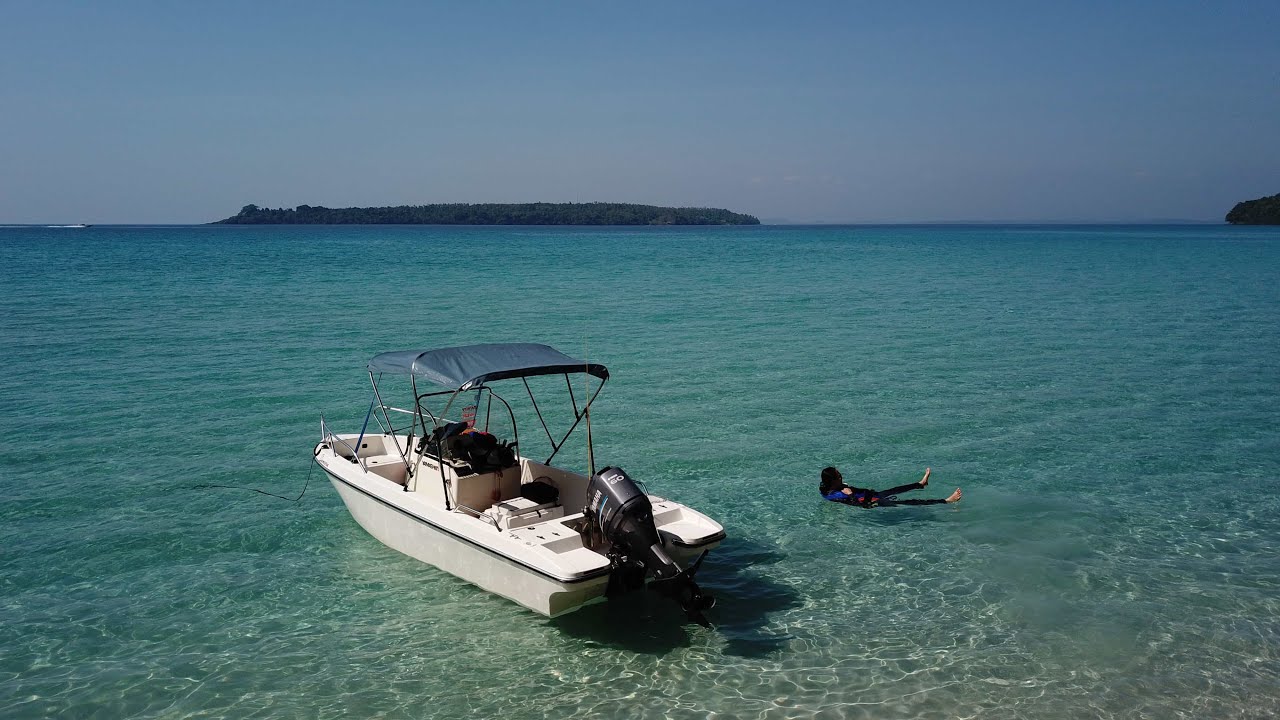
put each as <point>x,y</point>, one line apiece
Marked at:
<point>579,416</point>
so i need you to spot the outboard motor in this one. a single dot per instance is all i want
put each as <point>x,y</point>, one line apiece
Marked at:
<point>620,513</point>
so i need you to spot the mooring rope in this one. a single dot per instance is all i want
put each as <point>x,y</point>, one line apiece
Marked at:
<point>264,492</point>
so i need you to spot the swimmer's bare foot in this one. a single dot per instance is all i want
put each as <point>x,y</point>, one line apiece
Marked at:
<point>924,481</point>
<point>955,496</point>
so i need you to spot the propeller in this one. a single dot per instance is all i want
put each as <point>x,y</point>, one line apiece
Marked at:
<point>682,588</point>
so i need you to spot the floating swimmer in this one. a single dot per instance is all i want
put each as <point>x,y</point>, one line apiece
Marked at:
<point>833,488</point>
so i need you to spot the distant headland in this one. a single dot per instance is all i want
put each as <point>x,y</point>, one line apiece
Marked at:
<point>490,214</point>
<point>1263,211</point>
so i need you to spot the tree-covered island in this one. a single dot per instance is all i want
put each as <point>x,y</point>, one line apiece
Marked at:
<point>490,214</point>
<point>1263,211</point>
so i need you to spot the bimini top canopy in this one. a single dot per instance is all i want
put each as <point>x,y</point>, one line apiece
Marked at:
<point>472,365</point>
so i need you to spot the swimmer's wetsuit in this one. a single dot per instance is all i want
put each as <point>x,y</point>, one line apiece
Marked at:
<point>867,498</point>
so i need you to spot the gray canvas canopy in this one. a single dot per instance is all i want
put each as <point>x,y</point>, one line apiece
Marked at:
<point>472,365</point>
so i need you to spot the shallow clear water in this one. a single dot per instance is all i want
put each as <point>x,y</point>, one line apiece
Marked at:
<point>1107,397</point>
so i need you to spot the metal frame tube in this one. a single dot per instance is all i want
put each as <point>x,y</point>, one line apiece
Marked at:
<point>585,409</point>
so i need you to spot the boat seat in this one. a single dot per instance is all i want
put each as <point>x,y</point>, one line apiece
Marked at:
<point>521,511</point>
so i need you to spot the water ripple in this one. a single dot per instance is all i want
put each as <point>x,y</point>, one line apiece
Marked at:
<point>1106,397</point>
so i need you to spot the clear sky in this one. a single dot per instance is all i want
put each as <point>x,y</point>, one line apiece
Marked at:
<point>159,112</point>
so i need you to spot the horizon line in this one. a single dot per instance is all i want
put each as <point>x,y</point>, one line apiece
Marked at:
<point>772,222</point>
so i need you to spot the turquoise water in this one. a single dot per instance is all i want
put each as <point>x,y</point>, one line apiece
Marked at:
<point>1108,398</point>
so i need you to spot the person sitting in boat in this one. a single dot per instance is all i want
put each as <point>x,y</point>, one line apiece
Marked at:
<point>833,488</point>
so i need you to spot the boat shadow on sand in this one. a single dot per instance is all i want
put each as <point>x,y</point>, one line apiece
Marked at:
<point>746,597</point>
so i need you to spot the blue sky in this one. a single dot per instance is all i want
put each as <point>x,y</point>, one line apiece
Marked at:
<point>158,112</point>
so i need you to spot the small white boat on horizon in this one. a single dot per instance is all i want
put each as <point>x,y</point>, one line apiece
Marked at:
<point>455,495</point>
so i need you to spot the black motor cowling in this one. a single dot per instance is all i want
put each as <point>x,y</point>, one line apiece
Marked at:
<point>620,513</point>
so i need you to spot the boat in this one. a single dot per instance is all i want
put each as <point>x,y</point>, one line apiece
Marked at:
<point>443,480</point>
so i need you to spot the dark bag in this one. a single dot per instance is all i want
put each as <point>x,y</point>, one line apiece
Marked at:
<point>540,492</point>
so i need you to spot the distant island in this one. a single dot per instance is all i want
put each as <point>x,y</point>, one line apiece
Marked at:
<point>1263,211</point>
<point>490,214</point>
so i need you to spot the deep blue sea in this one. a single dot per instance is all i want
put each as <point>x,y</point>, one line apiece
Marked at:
<point>1107,397</point>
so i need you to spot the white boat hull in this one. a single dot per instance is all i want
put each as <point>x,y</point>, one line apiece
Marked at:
<point>418,538</point>
<point>457,494</point>
<point>480,528</point>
